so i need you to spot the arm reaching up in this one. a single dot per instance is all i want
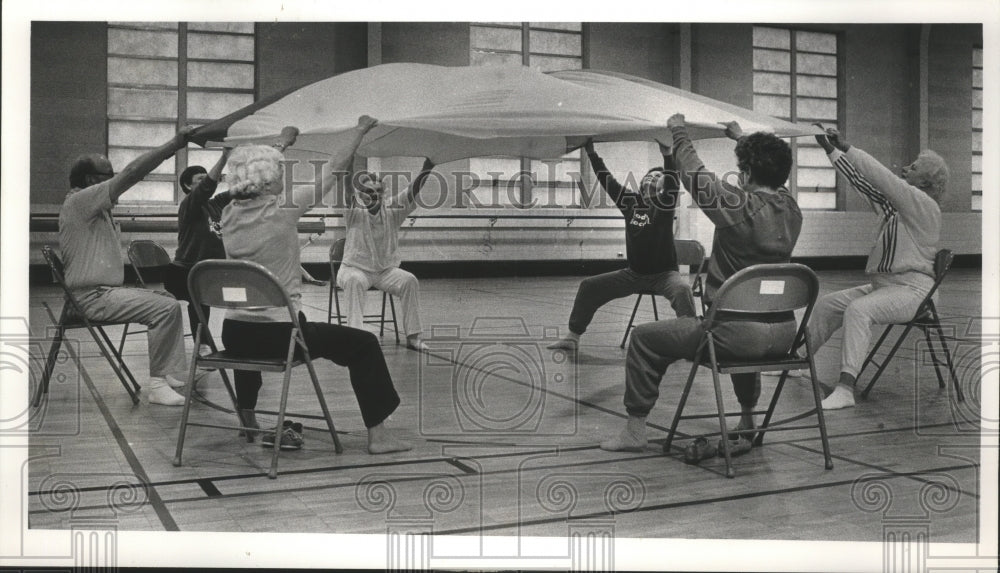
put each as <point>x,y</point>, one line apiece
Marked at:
<point>337,174</point>
<point>143,165</point>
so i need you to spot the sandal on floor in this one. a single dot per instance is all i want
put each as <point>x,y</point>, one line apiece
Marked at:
<point>737,447</point>
<point>698,450</point>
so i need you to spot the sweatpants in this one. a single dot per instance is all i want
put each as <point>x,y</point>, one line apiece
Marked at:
<point>887,299</point>
<point>160,313</point>
<point>175,282</point>
<point>656,345</point>
<point>596,291</point>
<point>358,350</point>
<point>394,281</point>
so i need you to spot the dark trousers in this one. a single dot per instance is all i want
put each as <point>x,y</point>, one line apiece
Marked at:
<point>175,282</point>
<point>358,350</point>
<point>656,345</point>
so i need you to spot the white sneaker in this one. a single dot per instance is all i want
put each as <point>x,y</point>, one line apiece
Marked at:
<point>174,382</point>
<point>165,396</point>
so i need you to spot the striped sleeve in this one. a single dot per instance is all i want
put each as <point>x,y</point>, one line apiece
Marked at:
<point>878,200</point>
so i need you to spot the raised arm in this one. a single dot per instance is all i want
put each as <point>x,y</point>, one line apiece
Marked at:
<point>143,165</point>
<point>202,193</point>
<point>608,182</point>
<point>705,188</point>
<point>337,173</point>
<point>418,182</point>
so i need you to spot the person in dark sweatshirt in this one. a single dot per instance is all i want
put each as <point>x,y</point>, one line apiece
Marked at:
<point>757,221</point>
<point>198,235</point>
<point>649,247</point>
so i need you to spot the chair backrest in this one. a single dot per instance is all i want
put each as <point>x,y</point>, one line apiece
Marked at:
<point>55,266</point>
<point>942,263</point>
<point>770,288</point>
<point>144,254</point>
<point>236,284</point>
<point>71,308</point>
<point>336,257</point>
<point>689,252</point>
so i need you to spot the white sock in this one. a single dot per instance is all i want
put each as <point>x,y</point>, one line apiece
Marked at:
<point>841,397</point>
<point>171,380</point>
<point>161,393</point>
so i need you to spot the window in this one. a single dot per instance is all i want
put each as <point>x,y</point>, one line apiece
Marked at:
<point>165,74</point>
<point>795,78</point>
<point>977,129</point>
<point>544,46</point>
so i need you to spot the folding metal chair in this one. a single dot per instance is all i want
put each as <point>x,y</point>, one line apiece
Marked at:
<point>926,319</point>
<point>143,254</point>
<point>689,252</point>
<point>72,316</point>
<point>234,284</point>
<point>333,302</point>
<point>760,289</point>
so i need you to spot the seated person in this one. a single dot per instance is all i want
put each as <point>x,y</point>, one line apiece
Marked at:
<point>90,243</point>
<point>256,226</point>
<point>756,222</point>
<point>198,234</point>
<point>649,247</point>
<point>371,257</point>
<point>901,263</point>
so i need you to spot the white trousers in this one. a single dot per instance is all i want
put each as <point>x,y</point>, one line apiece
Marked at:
<point>394,281</point>
<point>888,299</point>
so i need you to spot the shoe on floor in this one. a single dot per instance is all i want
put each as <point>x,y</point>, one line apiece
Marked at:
<point>699,450</point>
<point>291,437</point>
<point>566,343</point>
<point>164,396</point>
<point>418,345</point>
<point>737,446</point>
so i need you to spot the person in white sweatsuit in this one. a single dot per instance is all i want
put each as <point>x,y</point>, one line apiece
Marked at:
<point>901,263</point>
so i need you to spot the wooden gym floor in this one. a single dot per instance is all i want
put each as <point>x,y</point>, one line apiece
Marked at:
<point>505,434</point>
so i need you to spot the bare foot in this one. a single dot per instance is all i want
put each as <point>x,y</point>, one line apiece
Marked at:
<point>382,441</point>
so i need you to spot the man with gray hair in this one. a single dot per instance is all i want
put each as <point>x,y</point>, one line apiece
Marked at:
<point>90,243</point>
<point>901,263</point>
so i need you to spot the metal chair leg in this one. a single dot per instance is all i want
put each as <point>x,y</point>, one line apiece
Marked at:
<point>951,366</point>
<point>758,441</point>
<point>888,358</point>
<point>820,419</point>
<point>871,354</point>
<point>680,404</point>
<point>656,313</point>
<point>337,447</point>
<point>50,363</point>
<point>381,322</point>
<point>279,425</point>
<point>188,391</point>
<point>721,407</point>
<point>631,319</point>
<point>395,325</point>
<point>121,361</point>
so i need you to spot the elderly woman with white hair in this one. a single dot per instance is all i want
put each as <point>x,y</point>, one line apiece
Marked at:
<point>901,263</point>
<point>258,226</point>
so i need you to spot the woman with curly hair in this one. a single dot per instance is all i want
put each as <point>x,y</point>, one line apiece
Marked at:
<point>756,221</point>
<point>257,226</point>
